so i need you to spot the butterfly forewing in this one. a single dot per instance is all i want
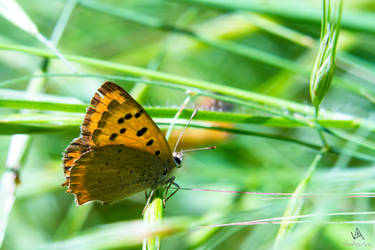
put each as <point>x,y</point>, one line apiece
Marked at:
<point>115,119</point>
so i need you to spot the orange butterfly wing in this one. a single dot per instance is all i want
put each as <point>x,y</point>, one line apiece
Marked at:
<point>110,173</point>
<point>115,118</point>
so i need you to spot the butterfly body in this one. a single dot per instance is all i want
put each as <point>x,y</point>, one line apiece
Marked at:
<point>121,151</point>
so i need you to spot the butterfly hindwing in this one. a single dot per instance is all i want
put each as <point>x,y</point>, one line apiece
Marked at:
<point>113,172</point>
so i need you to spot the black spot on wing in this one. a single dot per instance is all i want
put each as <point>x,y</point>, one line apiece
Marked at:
<point>121,120</point>
<point>150,142</point>
<point>113,136</point>
<point>142,131</point>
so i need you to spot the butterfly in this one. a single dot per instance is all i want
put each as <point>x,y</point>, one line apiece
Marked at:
<point>121,151</point>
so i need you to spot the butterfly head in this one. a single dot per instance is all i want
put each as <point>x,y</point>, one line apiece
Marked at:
<point>177,157</point>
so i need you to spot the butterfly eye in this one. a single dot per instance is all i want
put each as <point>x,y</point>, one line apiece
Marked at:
<point>177,160</point>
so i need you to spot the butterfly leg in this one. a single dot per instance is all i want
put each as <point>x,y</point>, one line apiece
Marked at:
<point>170,183</point>
<point>148,199</point>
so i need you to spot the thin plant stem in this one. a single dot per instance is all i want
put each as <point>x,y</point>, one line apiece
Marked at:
<point>19,143</point>
<point>154,212</point>
<point>295,204</point>
<point>230,46</point>
<point>324,68</point>
<point>153,216</point>
<point>289,11</point>
<point>320,131</point>
<point>234,97</point>
<point>225,93</point>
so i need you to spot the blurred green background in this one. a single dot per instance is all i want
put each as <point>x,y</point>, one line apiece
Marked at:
<point>278,43</point>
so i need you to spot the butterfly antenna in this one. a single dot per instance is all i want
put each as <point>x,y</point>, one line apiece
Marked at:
<point>197,149</point>
<point>183,106</point>
<point>187,124</point>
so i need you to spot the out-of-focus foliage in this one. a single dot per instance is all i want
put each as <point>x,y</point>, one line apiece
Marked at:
<point>261,48</point>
